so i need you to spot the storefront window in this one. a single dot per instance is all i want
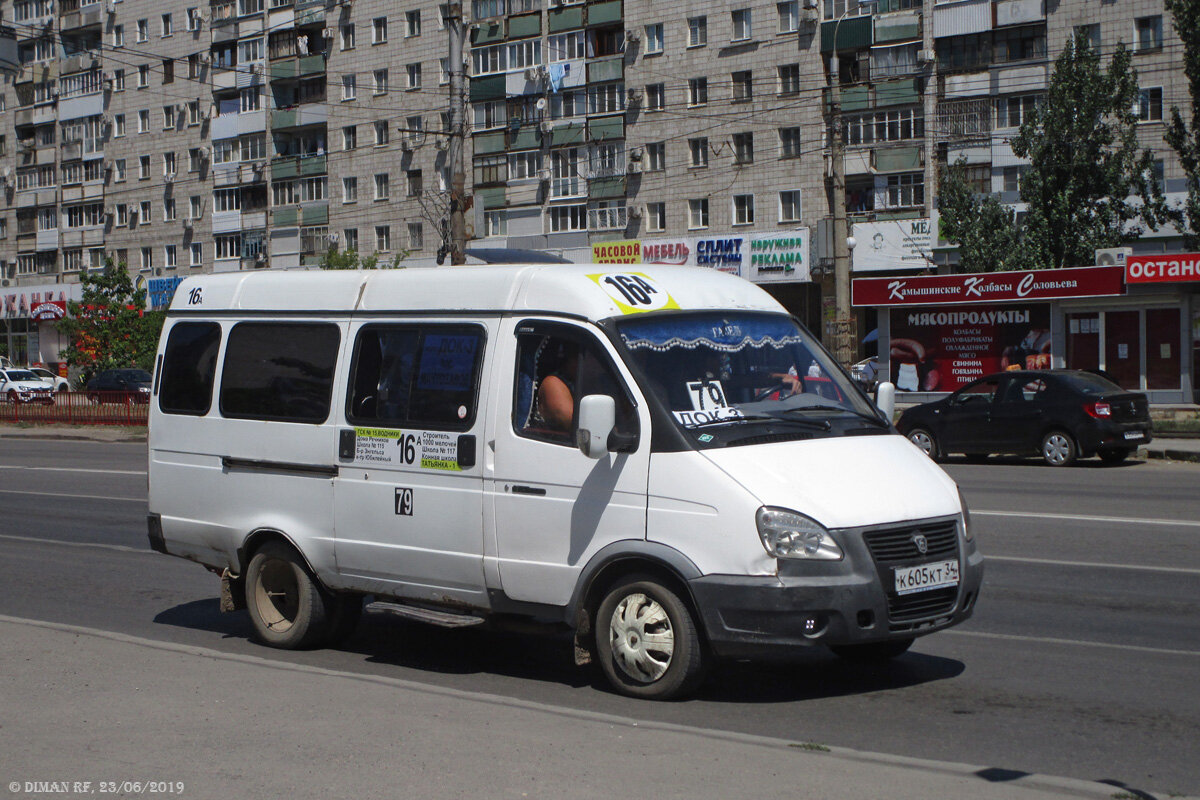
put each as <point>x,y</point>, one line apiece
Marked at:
<point>1122,348</point>
<point>1083,341</point>
<point>1162,348</point>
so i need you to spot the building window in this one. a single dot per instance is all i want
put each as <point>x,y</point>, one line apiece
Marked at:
<point>741,24</point>
<point>168,27</point>
<point>697,31</point>
<point>118,170</point>
<point>414,76</point>
<point>195,206</point>
<point>655,97</point>
<point>607,215</point>
<point>698,213</point>
<point>416,183</point>
<point>495,223</point>
<point>347,36</point>
<point>606,98</point>
<point>350,236</point>
<point>118,35</point>
<point>697,91</point>
<point>143,168</point>
<point>1149,33</point>
<point>789,206</point>
<point>379,81</point>
<point>350,190</point>
<point>1150,104</point>
<point>789,78</point>
<point>118,80</point>
<point>698,148</point>
<point>143,120</point>
<point>196,254</point>
<point>789,142</point>
<point>379,30</point>
<point>118,125</point>
<point>789,16</point>
<point>170,256</point>
<point>743,209</point>
<point>381,132</point>
<point>143,30</point>
<point>905,190</point>
<point>147,257</point>
<point>349,137</point>
<point>567,218</point>
<point>1012,112</point>
<point>349,87</point>
<point>381,186</point>
<point>654,38</point>
<point>193,19</point>
<point>416,236</point>
<point>1091,34</point>
<point>168,164</point>
<point>412,23</point>
<point>169,209</point>
<point>743,85</point>
<point>743,148</point>
<point>656,217</point>
<point>566,46</point>
<point>656,156</point>
<point>168,118</point>
<point>383,238</point>
<point>143,76</point>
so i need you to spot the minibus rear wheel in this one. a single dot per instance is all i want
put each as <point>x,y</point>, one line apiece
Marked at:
<point>289,609</point>
<point>647,641</point>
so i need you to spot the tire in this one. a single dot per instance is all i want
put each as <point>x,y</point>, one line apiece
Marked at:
<point>925,441</point>
<point>287,606</point>
<point>1058,449</point>
<point>1114,455</point>
<point>647,641</point>
<point>873,651</point>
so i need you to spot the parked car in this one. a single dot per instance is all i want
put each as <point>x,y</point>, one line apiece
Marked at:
<point>120,386</point>
<point>22,386</point>
<point>55,382</point>
<point>1062,415</point>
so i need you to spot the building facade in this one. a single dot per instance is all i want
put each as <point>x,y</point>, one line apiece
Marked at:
<point>180,136</point>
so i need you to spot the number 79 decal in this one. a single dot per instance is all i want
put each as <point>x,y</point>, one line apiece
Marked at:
<point>634,292</point>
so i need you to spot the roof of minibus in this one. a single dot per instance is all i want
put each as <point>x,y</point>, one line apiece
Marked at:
<point>593,291</point>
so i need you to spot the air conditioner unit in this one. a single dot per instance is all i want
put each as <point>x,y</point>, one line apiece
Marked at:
<point>131,209</point>
<point>531,74</point>
<point>187,223</point>
<point>632,36</point>
<point>635,167</point>
<point>635,95</point>
<point>1113,256</point>
<point>926,56</point>
<point>169,177</point>
<point>257,69</point>
<point>406,145</point>
<point>110,7</point>
<point>545,127</point>
<point>635,212</point>
<point>258,168</point>
<point>327,33</point>
<point>809,16</point>
<point>205,57</point>
<point>442,142</point>
<point>333,238</point>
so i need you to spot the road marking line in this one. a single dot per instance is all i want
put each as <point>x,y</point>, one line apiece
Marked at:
<point>1086,518</point>
<point>1053,640</point>
<point>118,547</point>
<point>73,469</point>
<point>76,496</point>
<point>1052,562</point>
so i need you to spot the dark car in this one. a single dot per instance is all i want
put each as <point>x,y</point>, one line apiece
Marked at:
<point>120,386</point>
<point>1061,415</point>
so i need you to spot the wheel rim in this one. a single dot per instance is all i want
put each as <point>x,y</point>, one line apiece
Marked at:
<point>1056,448</point>
<point>923,441</point>
<point>643,640</point>
<point>277,595</point>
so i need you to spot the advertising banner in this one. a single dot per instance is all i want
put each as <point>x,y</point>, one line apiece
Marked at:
<point>895,244</point>
<point>628,252</point>
<point>676,252</point>
<point>780,258</point>
<point>943,348</point>
<point>990,287</point>
<point>1170,268</point>
<point>22,302</point>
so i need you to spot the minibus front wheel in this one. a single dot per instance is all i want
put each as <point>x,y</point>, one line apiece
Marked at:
<point>287,605</point>
<point>647,641</point>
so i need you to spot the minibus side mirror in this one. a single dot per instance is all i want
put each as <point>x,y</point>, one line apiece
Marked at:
<point>597,417</point>
<point>885,399</point>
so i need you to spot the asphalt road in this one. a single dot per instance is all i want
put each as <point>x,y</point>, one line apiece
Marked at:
<point>1082,659</point>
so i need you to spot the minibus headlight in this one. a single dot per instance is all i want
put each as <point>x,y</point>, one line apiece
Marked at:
<point>968,534</point>
<point>786,534</point>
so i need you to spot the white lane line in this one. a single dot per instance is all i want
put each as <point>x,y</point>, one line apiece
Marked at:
<point>1190,523</point>
<point>76,469</point>
<point>1092,564</point>
<point>1076,642</point>
<point>76,496</point>
<point>120,548</point>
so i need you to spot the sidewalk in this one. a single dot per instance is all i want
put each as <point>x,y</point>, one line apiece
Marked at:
<point>90,705</point>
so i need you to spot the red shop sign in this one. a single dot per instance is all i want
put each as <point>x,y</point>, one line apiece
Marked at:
<point>1162,269</point>
<point>990,287</point>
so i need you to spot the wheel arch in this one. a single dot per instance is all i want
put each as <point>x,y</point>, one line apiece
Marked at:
<point>254,542</point>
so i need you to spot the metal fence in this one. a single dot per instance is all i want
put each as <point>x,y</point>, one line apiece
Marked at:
<point>81,408</point>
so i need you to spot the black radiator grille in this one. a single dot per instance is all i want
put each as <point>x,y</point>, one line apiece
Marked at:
<point>897,547</point>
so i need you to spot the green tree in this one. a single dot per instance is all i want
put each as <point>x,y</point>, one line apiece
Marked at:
<point>1084,160</point>
<point>984,229</point>
<point>350,259</point>
<point>110,327</point>
<point>1185,139</point>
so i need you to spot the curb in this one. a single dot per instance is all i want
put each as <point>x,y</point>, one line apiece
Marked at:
<point>1171,455</point>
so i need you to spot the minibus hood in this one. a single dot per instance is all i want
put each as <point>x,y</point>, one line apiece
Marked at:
<point>843,481</point>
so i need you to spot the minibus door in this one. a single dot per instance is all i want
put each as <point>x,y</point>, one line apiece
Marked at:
<point>409,497</point>
<point>553,507</point>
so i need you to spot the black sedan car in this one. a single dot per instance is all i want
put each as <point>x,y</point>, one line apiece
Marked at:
<point>1061,415</point>
<point>120,386</point>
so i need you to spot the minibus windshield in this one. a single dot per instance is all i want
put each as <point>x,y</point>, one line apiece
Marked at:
<point>736,368</point>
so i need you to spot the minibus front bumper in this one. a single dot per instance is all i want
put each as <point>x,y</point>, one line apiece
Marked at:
<point>753,616</point>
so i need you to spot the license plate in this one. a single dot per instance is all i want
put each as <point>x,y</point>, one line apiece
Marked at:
<point>924,577</point>
<point>1134,434</point>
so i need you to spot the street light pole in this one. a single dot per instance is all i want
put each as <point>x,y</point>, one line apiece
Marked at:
<point>453,15</point>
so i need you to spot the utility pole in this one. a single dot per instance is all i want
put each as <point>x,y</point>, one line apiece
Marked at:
<point>842,325</point>
<point>453,15</point>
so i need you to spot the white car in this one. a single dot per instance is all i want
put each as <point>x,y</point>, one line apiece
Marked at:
<point>22,386</point>
<point>56,383</point>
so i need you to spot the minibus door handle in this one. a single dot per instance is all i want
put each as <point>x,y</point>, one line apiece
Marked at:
<point>534,490</point>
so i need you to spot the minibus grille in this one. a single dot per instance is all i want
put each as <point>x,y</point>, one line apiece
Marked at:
<point>897,547</point>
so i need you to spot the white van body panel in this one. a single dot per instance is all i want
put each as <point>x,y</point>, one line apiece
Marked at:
<point>843,482</point>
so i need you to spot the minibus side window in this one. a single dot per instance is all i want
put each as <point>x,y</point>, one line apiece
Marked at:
<point>279,371</point>
<point>188,368</point>
<point>416,375</point>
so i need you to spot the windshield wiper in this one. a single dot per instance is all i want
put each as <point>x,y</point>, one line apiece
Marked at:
<point>823,407</point>
<point>822,424</point>
<point>729,420</point>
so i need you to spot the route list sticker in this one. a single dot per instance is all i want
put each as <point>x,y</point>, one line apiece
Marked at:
<point>391,447</point>
<point>634,292</point>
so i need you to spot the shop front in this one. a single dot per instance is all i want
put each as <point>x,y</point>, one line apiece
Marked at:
<point>938,333</point>
<point>28,323</point>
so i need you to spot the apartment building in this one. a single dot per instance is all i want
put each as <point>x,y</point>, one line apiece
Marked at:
<point>185,136</point>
